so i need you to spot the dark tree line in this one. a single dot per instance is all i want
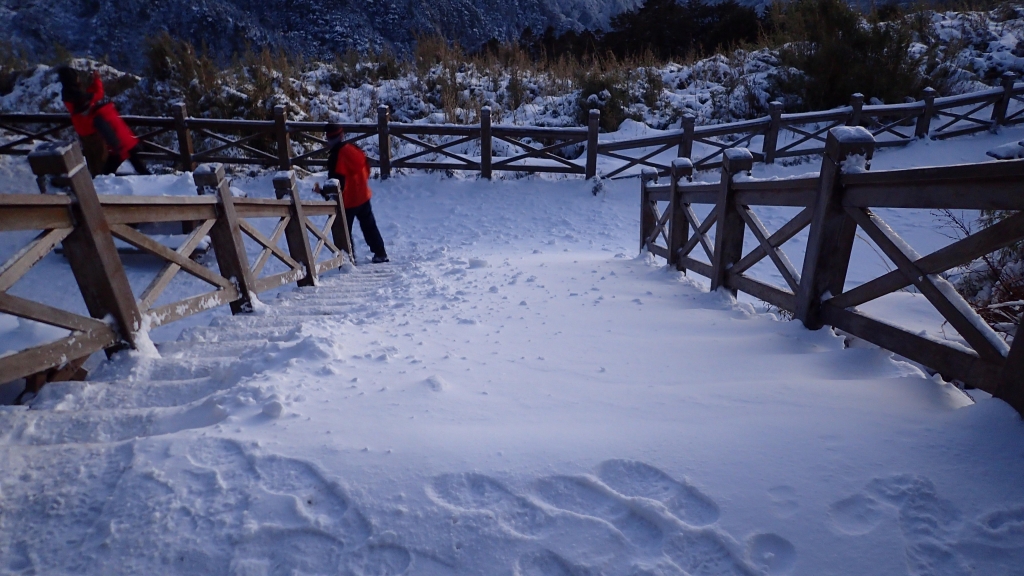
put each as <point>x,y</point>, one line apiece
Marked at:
<point>664,29</point>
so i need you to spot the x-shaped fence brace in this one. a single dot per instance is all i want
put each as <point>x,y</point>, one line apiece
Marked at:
<point>642,160</point>
<point>816,133</point>
<point>1012,118</point>
<point>269,247</point>
<point>878,127</point>
<point>428,148</point>
<point>324,148</point>
<point>29,137</point>
<point>966,117</point>
<point>228,143</point>
<point>770,244</point>
<point>146,141</point>
<point>925,274</point>
<point>720,148</point>
<point>323,240</point>
<point>532,152</point>
<point>176,261</point>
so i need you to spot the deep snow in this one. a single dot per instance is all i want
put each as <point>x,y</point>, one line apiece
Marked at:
<point>516,393</point>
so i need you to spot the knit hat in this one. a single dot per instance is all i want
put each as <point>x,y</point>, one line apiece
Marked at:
<point>334,130</point>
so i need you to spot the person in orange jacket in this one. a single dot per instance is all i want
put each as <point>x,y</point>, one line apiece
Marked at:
<point>91,115</point>
<point>348,164</point>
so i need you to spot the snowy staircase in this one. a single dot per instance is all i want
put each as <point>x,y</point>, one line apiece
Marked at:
<point>187,385</point>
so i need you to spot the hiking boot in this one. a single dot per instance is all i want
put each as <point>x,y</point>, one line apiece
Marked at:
<point>377,259</point>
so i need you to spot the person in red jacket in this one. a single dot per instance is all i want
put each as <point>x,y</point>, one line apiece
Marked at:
<point>92,114</point>
<point>348,164</point>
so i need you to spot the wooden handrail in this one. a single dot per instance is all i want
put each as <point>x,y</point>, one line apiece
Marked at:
<point>835,206</point>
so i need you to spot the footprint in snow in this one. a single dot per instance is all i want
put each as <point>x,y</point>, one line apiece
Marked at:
<point>582,496</point>
<point>480,493</point>
<point>639,480</point>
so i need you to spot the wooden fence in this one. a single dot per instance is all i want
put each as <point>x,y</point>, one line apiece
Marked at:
<point>86,225</point>
<point>835,205</point>
<point>186,141</point>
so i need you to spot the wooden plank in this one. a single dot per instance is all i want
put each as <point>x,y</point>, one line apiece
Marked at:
<point>268,243</point>
<point>115,200</point>
<point>839,114</point>
<point>593,125</point>
<point>140,214</point>
<point>40,312</point>
<point>251,211</point>
<point>781,236</point>
<point>320,209</point>
<point>14,219</point>
<point>331,264</point>
<point>946,134</point>
<point>798,198</point>
<point>278,280</point>
<point>90,249</point>
<point>770,294</point>
<point>267,250</point>
<point>143,242</point>
<point>486,141</point>
<point>832,232</point>
<point>34,200</point>
<point>945,299</point>
<point>241,203</point>
<point>1011,378</point>
<point>27,257</point>
<point>952,363</point>
<point>777,256</point>
<point>56,354</point>
<point>697,266</point>
<point>699,193</point>
<point>981,194</point>
<point>400,129</point>
<point>540,132</point>
<point>189,306</point>
<point>657,250</point>
<point>986,241</point>
<point>295,231</point>
<point>730,226</point>
<point>164,277</point>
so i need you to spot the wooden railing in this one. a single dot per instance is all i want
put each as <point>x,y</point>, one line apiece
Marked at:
<point>86,225</point>
<point>187,141</point>
<point>835,205</point>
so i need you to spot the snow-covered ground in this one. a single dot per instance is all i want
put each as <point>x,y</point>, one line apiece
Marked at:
<point>516,393</point>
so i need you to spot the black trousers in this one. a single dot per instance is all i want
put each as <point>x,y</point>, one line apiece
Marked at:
<point>368,225</point>
<point>113,163</point>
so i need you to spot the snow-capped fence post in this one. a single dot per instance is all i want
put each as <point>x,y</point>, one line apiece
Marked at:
<point>648,220</point>
<point>678,225</point>
<point>384,141</point>
<point>729,227</point>
<point>284,141</point>
<point>924,121</point>
<point>832,230</point>
<point>771,137</point>
<point>339,229</point>
<point>594,121</point>
<point>295,232</point>
<point>485,142</point>
<point>856,106</point>
<point>90,248</point>
<point>185,146</point>
<point>226,235</point>
<point>1001,105</point>
<point>686,143</point>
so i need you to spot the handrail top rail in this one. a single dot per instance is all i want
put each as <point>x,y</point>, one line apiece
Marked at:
<point>35,199</point>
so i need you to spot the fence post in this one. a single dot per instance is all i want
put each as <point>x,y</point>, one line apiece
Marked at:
<point>1011,380</point>
<point>226,235</point>
<point>384,141</point>
<point>90,248</point>
<point>771,138</point>
<point>832,231</point>
<point>924,121</point>
<point>295,232</point>
<point>729,228</point>
<point>647,221</point>
<point>485,142</point>
<point>686,144</point>
<point>284,141</point>
<point>593,123</point>
<point>678,225</point>
<point>857,105</point>
<point>339,230</point>
<point>185,147</point>
<point>1001,105</point>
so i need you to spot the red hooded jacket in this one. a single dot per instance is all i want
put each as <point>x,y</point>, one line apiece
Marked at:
<point>349,165</point>
<point>94,115</point>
